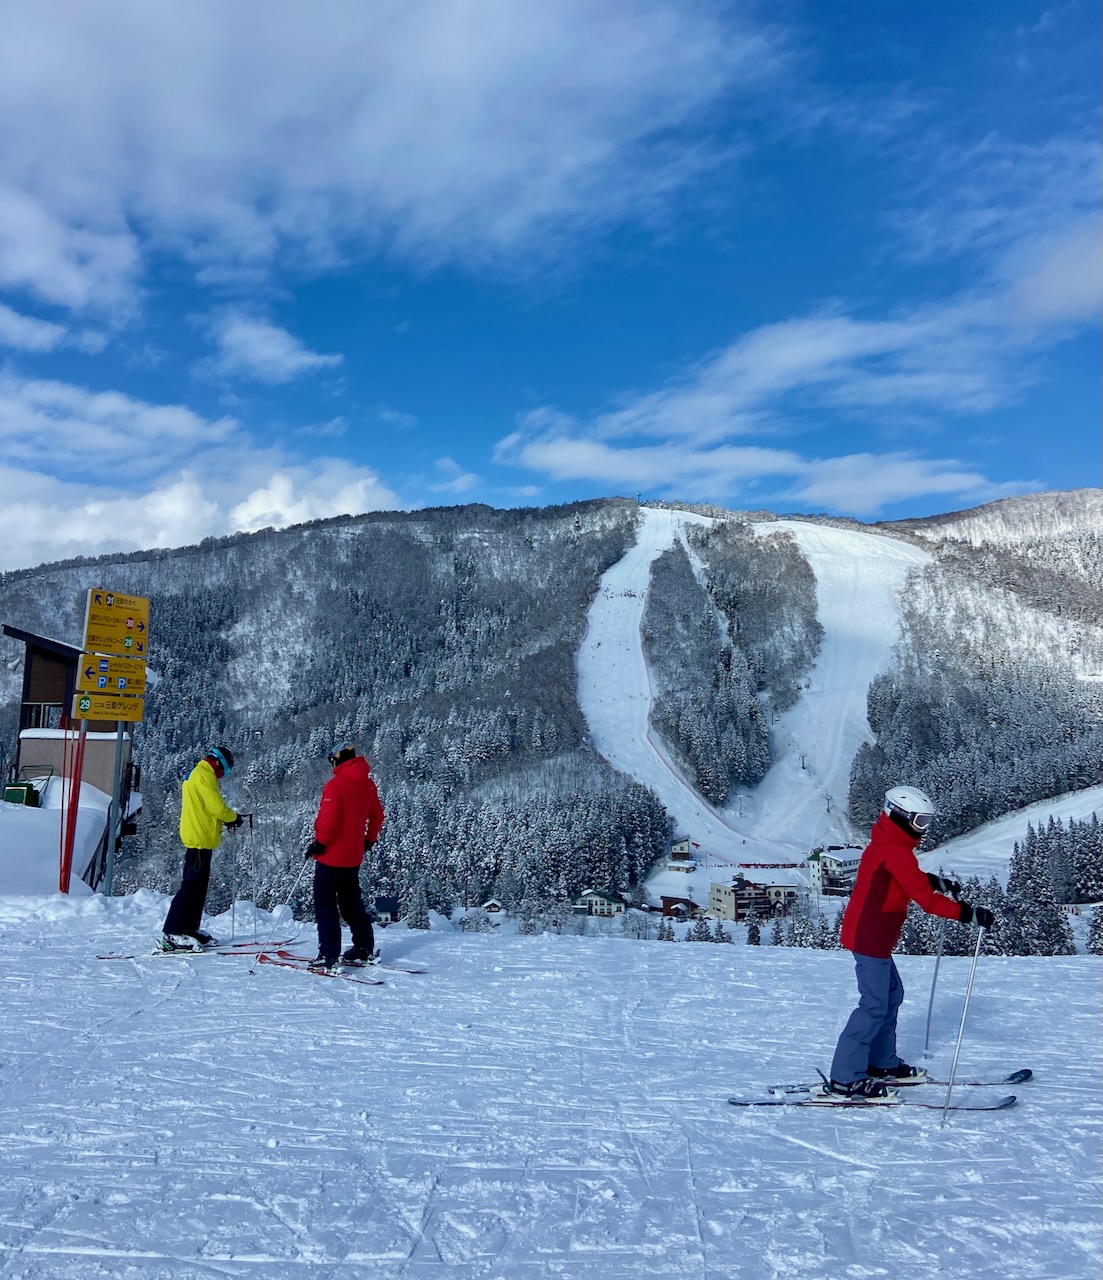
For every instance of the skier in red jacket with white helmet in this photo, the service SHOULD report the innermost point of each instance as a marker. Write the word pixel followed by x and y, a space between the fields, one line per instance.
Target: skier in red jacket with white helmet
pixel 888 879
pixel 349 820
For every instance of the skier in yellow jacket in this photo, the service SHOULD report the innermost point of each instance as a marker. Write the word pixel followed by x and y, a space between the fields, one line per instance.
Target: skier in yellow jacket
pixel 203 814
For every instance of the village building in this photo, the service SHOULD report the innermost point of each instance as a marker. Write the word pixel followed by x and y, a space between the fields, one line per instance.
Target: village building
pixel 680 908
pixel 737 899
pixel 681 856
pixel 386 911
pixel 596 902
pixel 832 869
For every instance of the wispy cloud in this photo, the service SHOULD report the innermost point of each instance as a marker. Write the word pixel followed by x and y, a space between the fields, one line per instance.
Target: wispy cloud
pixel 25 333
pixel 28 333
pixel 1030 219
pixel 1027 217
pixel 439 132
pixel 249 347
pixel 949 357
pixel 795 381
pixel 94 433
pixel 450 477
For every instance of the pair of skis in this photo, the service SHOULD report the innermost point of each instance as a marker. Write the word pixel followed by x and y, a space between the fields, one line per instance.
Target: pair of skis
pixel 362 973
pixel 289 960
pixel 220 949
pixel 277 954
pixel 801 1095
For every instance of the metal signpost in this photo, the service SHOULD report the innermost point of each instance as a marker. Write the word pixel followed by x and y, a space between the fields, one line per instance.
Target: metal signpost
pixel 111 684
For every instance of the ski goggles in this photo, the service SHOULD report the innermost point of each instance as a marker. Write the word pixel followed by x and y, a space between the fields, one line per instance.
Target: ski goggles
pixel 921 821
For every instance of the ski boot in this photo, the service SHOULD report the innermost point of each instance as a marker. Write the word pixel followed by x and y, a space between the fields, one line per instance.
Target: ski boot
pixel 900 1074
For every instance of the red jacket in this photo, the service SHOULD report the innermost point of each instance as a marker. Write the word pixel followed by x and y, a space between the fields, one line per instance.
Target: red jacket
pixel 888 879
pixel 350 810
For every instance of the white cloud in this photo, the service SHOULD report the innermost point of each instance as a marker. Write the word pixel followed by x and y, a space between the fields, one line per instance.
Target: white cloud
pixel 451 478
pixel 95 433
pixel 863 484
pixel 28 333
pixel 297 494
pixel 441 131
pixel 43 518
pixel 332 428
pixel 395 418
pixel 48 248
pixel 252 348
pixel 860 484
pixel 24 333
pixel 91 472
pixel 1062 281
pixel 797 380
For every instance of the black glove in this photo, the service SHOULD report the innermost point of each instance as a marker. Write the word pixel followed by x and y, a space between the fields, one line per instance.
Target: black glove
pixel 984 918
pixel 368 844
pixel 315 849
pixel 942 884
pixel 233 826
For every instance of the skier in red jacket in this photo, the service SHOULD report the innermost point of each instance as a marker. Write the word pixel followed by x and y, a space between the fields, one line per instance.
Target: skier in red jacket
pixel 888 879
pixel 348 823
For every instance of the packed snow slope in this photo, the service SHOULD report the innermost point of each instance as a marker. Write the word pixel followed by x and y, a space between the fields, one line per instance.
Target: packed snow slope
pixel 529 1108
pixel 802 800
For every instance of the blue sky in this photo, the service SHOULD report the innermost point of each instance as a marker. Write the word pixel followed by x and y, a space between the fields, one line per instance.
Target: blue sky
pixel 266 262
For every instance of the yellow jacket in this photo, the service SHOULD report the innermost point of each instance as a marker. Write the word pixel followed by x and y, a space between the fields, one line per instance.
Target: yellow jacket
pixel 203 812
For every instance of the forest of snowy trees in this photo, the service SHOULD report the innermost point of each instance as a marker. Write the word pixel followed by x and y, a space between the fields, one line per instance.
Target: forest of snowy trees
pixel 994 690
pixel 706 705
pixel 443 643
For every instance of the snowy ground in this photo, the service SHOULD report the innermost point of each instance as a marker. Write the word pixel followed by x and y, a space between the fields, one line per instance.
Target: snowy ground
pixel 532 1107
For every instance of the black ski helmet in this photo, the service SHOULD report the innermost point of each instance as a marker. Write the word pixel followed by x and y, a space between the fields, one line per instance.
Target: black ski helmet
pixel 225 758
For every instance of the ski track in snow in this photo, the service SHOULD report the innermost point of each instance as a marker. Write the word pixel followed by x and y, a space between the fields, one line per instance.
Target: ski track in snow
pixel 797 805
pixel 532 1107
pixel 859 578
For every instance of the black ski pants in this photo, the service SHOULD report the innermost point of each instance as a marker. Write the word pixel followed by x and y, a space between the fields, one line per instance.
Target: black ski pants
pixel 186 909
pixel 336 898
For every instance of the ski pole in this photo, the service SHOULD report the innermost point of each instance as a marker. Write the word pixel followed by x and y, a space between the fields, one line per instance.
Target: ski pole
pixel 930 1007
pixel 233 903
pixel 253 865
pixel 961 1029
pixel 276 919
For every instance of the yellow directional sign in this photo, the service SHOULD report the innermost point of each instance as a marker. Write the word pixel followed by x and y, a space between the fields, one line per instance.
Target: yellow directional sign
pixel 120 676
pixel 115 623
pixel 105 706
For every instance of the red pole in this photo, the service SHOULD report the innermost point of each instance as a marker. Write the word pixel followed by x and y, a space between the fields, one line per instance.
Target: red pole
pixel 74 801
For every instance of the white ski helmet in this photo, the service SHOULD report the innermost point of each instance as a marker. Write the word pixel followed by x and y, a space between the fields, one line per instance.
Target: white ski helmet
pixel 912 804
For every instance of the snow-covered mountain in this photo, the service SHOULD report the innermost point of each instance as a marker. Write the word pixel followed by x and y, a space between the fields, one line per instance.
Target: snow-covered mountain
pixel 530 1106
pixel 491 664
